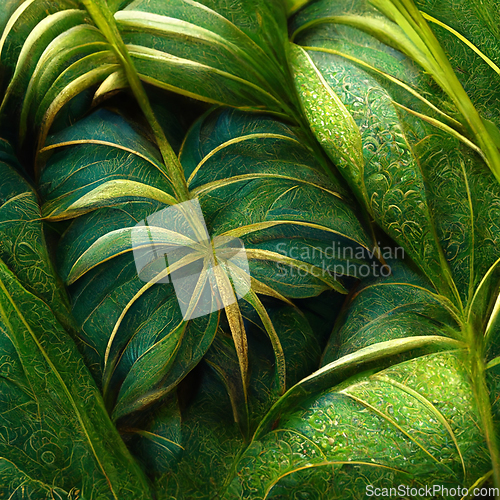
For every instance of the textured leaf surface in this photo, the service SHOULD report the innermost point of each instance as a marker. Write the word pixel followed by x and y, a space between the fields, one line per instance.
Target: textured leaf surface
pixel 58 429
pixel 225 169
pixel 388 178
pixel 210 438
pixel 401 306
pixel 256 181
pixel 449 192
pixel 22 240
pixel 473 21
pixel 411 424
pixel 55 51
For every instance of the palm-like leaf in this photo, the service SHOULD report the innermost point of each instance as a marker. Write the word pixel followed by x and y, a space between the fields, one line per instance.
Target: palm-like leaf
pixel 280 230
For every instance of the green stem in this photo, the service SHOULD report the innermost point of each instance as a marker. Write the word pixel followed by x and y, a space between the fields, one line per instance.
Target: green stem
pixel 105 21
pixel 481 392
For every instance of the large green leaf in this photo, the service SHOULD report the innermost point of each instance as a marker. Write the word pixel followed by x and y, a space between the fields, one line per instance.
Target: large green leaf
pixel 57 434
pixel 412 205
pixel 117 179
pixel 413 424
pixel 389 406
pixel 380 166
pixel 22 238
pixel 255 180
pixel 400 306
pixel 54 51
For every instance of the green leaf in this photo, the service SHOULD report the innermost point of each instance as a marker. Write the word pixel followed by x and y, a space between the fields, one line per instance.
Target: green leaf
pixel 128 327
pixel 210 439
pixel 470 20
pixel 210 52
pixel 164 364
pixel 35 45
pixel 22 237
pixel 329 119
pixel 247 155
pixel 62 52
pixel 411 424
pixel 23 17
pixel 400 306
pixel 53 409
pixel 387 178
pixel 458 227
pixel 156 442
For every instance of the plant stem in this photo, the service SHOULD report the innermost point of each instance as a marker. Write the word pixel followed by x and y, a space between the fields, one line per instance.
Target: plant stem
pixel 105 21
pixel 478 377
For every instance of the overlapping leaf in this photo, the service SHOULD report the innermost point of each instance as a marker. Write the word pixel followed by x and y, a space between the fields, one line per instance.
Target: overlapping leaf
pixel 407 177
pixel 471 40
pixel 400 306
pixel 116 179
pixel 255 180
pixel 210 438
pixel 22 239
pixel 439 205
pixel 53 417
pixel 55 51
pixel 388 409
pixel 393 406
pixel 52 411
pixel 412 424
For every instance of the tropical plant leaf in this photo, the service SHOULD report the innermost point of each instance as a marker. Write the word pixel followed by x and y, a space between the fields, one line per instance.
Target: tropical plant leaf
pixel 346 59
pixel 22 237
pixel 412 424
pixel 210 438
pixel 301 354
pixel 405 29
pixel 458 229
pixel 156 439
pixel 239 157
pixel 389 183
pixel 396 307
pixel 376 411
pixel 125 184
pixel 52 410
pixel 56 50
